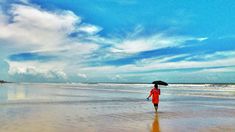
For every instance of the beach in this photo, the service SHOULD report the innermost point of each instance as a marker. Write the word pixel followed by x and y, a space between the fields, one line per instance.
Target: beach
pixel 105 107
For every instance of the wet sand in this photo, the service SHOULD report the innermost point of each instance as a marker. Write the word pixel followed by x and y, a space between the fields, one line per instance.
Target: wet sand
pixel 105 108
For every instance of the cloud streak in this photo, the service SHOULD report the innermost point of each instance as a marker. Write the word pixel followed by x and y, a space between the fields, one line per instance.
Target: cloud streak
pixel 156 41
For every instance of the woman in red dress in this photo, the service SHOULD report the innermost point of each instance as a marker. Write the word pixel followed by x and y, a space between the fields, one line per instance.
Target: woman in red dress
pixel 155 92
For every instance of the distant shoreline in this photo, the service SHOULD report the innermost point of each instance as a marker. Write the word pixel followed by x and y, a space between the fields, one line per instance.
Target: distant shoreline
pixel 2 81
pixel 151 83
pixel 120 83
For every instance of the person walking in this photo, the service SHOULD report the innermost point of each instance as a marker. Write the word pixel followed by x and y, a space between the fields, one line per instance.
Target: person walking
pixel 155 93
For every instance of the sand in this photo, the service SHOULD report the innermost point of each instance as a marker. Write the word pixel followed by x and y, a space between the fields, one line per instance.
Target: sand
pixel 115 108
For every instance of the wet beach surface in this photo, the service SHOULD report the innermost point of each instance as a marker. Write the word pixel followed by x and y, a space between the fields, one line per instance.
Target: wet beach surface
pixel 115 107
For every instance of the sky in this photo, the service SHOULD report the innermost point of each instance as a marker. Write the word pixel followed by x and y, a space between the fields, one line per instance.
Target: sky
pixel 183 41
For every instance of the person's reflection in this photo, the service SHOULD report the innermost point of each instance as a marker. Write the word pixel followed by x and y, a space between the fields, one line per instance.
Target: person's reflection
pixel 155 125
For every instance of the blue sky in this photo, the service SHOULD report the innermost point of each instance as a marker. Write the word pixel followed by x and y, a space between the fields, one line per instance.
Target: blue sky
pixel 117 41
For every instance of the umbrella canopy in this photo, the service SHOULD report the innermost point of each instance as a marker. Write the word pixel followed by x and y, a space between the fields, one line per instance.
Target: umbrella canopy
pixel 160 83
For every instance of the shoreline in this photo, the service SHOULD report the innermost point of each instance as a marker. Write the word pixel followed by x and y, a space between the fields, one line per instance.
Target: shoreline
pixel 1 81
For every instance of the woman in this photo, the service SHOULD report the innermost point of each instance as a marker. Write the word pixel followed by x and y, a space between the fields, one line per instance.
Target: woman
pixel 155 92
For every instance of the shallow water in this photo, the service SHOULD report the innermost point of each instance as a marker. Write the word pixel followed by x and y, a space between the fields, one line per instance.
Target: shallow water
pixel 115 107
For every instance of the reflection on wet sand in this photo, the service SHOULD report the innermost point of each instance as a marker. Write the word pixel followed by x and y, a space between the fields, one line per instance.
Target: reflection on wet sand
pixel 18 93
pixel 155 125
pixel 13 93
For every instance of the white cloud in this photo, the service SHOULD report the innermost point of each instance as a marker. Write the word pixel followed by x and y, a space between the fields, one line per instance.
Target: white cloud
pixel 151 65
pixel 202 39
pixel 216 55
pixel 159 59
pixel 154 42
pixel 117 78
pixel 160 63
pixel 36 18
pixel 35 30
pixel 217 70
pixel 82 75
pixel 89 29
pixel 47 70
pixel 137 30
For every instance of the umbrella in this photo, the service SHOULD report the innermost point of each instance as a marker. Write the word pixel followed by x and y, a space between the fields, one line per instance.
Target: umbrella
pixel 160 83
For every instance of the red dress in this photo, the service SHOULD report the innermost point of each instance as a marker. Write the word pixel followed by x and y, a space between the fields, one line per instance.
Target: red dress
pixel 155 95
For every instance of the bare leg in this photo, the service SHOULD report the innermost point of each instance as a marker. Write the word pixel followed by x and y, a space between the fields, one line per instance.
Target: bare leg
pixel 156 107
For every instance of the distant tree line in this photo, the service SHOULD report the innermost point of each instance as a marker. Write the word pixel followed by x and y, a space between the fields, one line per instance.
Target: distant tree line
pixel 2 81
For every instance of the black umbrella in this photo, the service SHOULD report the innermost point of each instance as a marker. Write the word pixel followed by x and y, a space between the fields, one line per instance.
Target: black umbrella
pixel 160 83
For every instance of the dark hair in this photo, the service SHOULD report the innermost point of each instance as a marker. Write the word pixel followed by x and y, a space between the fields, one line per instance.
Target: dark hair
pixel 156 86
